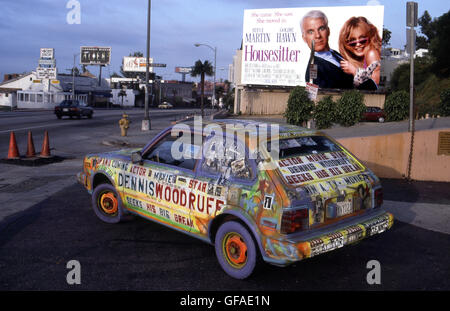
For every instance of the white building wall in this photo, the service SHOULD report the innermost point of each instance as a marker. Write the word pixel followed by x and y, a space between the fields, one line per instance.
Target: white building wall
pixel 6 99
pixel 128 100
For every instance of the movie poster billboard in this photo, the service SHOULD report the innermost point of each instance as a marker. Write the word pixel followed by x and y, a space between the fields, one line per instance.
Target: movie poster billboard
pixel 347 39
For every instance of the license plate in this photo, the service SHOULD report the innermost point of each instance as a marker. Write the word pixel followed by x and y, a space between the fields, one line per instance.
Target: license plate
pixel 65 109
pixel 378 228
pixel 344 208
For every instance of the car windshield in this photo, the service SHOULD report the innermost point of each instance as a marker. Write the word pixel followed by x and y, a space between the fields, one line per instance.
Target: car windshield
pixel 66 103
pixel 297 146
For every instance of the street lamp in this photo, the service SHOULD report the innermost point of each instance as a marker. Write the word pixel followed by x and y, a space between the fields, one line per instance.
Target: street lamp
pixel 146 125
pixel 215 55
pixel 73 75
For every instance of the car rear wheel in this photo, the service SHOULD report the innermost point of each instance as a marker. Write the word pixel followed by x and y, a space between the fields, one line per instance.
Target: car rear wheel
pixel 236 250
pixel 381 119
pixel 58 116
pixel 107 204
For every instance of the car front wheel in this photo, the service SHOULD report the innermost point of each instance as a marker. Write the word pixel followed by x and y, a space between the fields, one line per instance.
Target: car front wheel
pixel 107 204
pixel 381 119
pixel 236 250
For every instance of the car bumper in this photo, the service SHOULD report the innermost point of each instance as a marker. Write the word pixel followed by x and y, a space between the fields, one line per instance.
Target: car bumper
pixel 308 245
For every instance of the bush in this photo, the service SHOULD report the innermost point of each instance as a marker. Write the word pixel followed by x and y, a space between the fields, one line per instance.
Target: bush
pixel 444 105
pixel 325 113
pixel 350 108
pixel 299 107
pixel 397 106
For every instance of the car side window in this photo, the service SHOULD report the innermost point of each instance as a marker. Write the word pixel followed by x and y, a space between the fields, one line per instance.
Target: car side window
pixel 226 158
pixel 184 157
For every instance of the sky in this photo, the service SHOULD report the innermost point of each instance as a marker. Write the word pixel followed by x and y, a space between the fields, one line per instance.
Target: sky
pixel 176 25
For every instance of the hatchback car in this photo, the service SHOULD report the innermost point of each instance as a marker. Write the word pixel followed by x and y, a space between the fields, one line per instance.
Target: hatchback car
pixel 306 197
pixel 165 105
pixel 73 108
pixel 374 114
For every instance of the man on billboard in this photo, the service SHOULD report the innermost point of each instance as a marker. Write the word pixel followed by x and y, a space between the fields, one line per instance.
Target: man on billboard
pixel 314 26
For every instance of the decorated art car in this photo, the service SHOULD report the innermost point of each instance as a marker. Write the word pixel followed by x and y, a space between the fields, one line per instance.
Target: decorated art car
pixel 255 191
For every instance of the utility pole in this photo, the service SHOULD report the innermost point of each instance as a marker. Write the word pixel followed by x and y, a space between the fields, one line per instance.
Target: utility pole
pixel 146 125
pixel 411 21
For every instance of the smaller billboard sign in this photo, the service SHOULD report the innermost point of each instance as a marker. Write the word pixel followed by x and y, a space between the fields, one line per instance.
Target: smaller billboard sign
pixel 183 70
pixel 136 64
pixel 93 55
pixel 47 62
pixel 46 73
pixel 47 53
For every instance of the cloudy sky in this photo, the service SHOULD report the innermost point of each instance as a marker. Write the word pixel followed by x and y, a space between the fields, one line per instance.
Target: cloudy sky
pixel 26 26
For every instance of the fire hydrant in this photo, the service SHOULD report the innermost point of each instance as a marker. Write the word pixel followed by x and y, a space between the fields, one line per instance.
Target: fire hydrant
pixel 124 124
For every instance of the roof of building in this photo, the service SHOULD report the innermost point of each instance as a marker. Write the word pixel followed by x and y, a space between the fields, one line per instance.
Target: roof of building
pixel 15 79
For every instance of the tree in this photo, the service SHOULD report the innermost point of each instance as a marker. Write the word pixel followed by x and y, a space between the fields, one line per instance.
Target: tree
pixel 444 105
pixel 299 107
pixel 440 45
pixel 75 71
pixel 350 108
pixel 397 106
pixel 386 37
pixel 202 69
pixel 115 75
pixel 325 112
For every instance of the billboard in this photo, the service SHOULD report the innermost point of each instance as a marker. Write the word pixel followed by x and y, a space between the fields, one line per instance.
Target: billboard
pixel 46 73
pixel 347 39
pixel 136 64
pixel 93 55
pixel 185 70
pixel 47 53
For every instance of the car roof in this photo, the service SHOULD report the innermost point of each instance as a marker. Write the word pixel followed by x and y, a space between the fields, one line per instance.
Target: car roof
pixel 249 126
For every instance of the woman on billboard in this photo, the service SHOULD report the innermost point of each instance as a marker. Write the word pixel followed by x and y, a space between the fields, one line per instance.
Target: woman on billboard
pixel 360 45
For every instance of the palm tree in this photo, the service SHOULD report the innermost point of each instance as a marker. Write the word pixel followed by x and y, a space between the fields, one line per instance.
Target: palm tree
pixel 202 69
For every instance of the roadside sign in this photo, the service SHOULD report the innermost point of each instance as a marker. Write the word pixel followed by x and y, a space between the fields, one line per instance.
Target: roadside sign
pixel 47 53
pixel 93 55
pixel 47 62
pixel 312 90
pixel 157 65
pixel 46 73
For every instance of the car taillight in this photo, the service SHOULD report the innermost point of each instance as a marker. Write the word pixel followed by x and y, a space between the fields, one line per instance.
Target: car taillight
pixel 74 109
pixel 294 220
pixel 378 197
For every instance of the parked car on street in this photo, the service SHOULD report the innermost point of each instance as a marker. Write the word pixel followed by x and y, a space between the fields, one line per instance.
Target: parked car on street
pixel 374 114
pixel 165 105
pixel 308 197
pixel 73 108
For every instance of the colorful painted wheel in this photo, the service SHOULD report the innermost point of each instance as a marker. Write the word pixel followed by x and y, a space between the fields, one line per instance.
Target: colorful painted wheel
pixel 107 204
pixel 236 250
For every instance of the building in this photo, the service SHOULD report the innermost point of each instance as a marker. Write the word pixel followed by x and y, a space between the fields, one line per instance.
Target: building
pixel 26 91
pixel 130 92
pixel 391 58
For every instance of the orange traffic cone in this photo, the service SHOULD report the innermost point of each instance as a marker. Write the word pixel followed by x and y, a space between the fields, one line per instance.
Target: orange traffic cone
pixel 13 152
pixel 45 152
pixel 31 153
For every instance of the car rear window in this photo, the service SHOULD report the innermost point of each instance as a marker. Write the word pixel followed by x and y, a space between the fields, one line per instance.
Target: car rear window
pixel 298 146
pixel 66 103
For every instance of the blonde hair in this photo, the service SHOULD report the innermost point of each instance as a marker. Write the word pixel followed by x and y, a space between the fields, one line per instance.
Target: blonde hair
pixel 372 34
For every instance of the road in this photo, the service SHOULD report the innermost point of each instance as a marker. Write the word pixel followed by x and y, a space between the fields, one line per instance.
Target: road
pixel 46 221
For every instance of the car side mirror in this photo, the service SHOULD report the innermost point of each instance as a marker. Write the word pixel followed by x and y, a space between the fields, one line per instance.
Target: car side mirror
pixel 136 157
